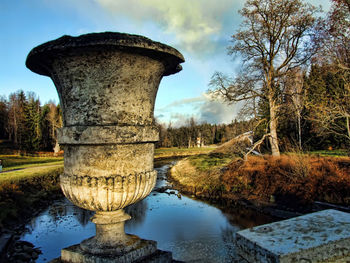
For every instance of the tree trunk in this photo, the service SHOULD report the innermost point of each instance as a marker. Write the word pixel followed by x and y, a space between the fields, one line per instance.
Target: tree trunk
pixel 299 130
pixel 348 126
pixel 15 138
pixel 273 127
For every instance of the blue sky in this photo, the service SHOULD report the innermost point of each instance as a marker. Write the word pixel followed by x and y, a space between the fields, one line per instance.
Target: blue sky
pixel 199 29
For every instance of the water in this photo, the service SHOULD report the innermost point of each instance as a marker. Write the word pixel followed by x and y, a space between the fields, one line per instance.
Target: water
pixel 192 230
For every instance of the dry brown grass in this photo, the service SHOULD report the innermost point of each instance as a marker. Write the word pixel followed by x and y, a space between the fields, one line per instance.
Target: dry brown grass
pixel 294 180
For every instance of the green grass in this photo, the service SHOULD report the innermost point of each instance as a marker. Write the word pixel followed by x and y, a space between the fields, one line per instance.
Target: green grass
pixel 332 153
pixel 23 166
pixel 16 160
pixel 206 162
pixel 17 167
pixel 174 151
pixel 31 172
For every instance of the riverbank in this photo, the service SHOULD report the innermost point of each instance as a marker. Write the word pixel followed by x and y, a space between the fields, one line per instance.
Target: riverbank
pixel 23 196
pixel 284 187
pixel 26 184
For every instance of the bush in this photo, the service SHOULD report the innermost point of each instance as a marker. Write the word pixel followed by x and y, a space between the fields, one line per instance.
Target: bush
pixel 294 180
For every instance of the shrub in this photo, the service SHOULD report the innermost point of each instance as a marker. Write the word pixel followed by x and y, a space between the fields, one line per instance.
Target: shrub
pixel 294 180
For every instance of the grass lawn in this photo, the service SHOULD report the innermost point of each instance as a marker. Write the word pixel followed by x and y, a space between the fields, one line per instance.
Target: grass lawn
pixel 330 153
pixel 17 167
pixel 17 160
pixel 174 151
pixel 205 162
pixel 37 171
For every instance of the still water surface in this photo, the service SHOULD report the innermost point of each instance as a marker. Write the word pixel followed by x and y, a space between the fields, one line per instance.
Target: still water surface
pixel 192 230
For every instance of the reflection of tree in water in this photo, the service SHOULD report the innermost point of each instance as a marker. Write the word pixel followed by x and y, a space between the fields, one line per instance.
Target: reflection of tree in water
pixel 83 216
pixel 58 210
pixel 246 217
pixel 137 212
pixel 64 208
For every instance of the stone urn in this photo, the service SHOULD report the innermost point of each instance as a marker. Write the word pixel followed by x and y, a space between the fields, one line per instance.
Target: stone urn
pixel 107 85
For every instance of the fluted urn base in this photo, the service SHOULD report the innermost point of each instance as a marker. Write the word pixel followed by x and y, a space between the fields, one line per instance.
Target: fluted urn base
pixel 110 238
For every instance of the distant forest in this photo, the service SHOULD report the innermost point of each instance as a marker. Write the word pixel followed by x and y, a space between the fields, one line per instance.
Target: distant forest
pixel 28 125
pixel 31 127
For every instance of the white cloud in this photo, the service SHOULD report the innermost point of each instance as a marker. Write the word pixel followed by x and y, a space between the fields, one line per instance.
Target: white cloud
pixel 217 112
pixel 183 102
pixel 202 109
pixel 197 25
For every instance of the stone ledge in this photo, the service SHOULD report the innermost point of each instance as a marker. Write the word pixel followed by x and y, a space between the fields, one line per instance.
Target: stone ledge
pixel 147 252
pixel 318 237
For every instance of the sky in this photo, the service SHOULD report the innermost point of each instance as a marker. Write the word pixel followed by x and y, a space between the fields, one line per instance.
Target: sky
pixel 199 29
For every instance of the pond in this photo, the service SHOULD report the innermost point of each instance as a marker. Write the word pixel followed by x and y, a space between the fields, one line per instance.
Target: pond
pixel 194 231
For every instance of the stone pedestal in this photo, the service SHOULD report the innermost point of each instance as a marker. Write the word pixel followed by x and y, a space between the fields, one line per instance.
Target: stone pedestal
pixel 318 237
pixel 107 85
pixel 145 248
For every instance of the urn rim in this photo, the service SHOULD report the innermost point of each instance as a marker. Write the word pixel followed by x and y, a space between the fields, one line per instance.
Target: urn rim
pixel 40 58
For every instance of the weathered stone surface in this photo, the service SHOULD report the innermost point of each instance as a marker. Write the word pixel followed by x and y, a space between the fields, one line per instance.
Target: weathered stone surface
pixel 108 160
pixel 107 88
pixel 107 85
pixel 107 193
pixel 318 237
pixel 102 135
pixel 39 58
pixel 75 254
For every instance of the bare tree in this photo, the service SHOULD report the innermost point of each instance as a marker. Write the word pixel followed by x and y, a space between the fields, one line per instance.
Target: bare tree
pixel 293 83
pixel 334 35
pixel 271 40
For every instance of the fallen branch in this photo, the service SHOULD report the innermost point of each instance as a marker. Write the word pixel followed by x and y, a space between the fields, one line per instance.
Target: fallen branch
pixel 256 145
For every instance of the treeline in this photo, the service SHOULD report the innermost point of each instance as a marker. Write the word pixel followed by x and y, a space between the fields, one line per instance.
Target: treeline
pixel 28 125
pixel 314 110
pixel 193 134
pixel 295 79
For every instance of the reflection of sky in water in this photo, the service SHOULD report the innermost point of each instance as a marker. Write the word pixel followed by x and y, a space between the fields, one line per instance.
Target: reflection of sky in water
pixel 191 229
pixel 53 232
